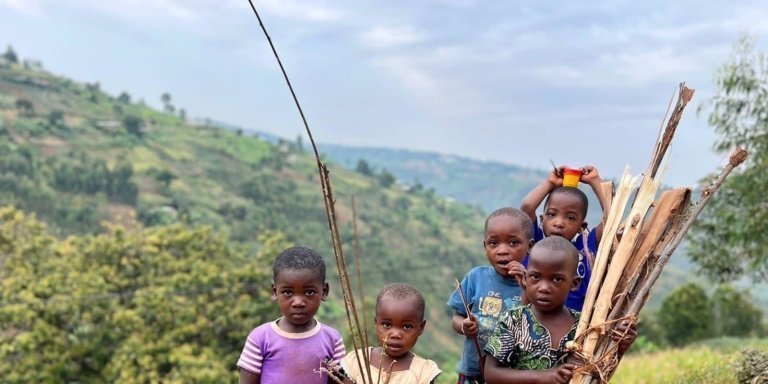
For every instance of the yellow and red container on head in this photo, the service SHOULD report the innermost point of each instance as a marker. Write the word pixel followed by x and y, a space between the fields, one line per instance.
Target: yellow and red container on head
pixel 571 177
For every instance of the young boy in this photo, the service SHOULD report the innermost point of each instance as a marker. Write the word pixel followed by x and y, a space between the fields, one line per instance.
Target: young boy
pixel 291 348
pixel 564 212
pixel 528 344
pixel 399 322
pixel 490 290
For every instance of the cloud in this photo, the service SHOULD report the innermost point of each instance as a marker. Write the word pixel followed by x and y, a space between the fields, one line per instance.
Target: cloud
pixel 383 37
pixel 306 11
pixel 26 7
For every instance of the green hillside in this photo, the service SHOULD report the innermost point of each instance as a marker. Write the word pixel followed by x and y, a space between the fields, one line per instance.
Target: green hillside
pixel 485 184
pixel 77 157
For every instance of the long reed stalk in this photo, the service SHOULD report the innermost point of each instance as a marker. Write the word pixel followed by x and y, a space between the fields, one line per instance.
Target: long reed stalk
pixel 325 184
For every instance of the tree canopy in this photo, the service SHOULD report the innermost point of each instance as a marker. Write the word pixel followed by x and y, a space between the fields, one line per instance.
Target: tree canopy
pixel 164 304
pixel 729 240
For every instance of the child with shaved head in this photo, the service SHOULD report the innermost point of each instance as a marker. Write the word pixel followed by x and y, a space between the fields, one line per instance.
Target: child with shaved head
pixel 399 322
pixel 528 344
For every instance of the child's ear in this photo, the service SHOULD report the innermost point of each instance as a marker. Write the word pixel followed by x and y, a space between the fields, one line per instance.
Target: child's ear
pixel 274 292
pixel 531 243
pixel 483 243
pixel 584 225
pixel 423 325
pixel 326 289
pixel 576 282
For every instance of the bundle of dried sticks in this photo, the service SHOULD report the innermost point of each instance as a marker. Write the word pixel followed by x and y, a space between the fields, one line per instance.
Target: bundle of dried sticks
pixel 636 245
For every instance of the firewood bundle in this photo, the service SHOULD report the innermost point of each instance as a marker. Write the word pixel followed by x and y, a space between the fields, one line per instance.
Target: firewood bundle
pixel 638 240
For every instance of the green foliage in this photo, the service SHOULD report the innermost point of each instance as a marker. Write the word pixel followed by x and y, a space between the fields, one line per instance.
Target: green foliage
pixel 10 55
pixel 386 179
pixel 124 98
pixel 686 315
pixel 364 168
pixel 165 304
pixel 134 125
pixel 56 118
pixel 726 241
pixel 25 107
pixel 734 313
pixel 711 361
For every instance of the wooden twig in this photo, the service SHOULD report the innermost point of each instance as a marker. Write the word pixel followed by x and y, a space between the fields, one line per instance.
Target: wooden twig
pixel 469 313
pixel 325 184
pixel 361 295
pixel 685 95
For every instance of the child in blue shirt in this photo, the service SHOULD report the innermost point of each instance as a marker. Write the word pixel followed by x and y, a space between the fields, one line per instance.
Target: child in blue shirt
pixel 490 290
pixel 565 209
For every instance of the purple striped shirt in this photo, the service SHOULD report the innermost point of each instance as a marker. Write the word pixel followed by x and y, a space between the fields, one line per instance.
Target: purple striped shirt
pixel 282 357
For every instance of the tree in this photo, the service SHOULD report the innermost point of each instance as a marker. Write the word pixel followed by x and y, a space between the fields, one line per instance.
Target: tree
pixel 734 313
pixel 166 99
pixel 10 55
pixel 364 168
pixel 56 118
pixel 124 98
pixel 166 177
pixel 183 114
pixel 729 239
pixel 25 107
pixel 386 179
pixel 93 91
pixel 134 125
pixel 686 315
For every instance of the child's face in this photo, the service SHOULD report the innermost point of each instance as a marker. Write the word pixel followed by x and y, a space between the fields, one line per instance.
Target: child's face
pixel 398 325
pixel 505 241
pixel 298 293
pixel 563 216
pixel 551 275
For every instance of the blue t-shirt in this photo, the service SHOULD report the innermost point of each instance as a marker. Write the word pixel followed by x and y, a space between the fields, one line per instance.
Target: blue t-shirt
pixel 489 295
pixel 583 270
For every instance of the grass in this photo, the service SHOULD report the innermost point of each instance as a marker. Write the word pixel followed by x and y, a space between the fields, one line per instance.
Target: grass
pixel 711 361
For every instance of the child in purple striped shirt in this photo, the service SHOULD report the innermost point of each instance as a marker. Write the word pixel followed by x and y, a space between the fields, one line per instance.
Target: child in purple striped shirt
pixel 292 348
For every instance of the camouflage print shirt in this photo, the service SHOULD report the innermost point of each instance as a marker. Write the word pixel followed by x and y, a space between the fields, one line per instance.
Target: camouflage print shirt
pixel 521 342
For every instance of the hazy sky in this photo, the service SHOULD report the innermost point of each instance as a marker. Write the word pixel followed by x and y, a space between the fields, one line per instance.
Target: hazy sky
pixel 515 81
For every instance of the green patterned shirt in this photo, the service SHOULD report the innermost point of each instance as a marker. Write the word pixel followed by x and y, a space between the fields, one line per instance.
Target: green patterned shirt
pixel 521 342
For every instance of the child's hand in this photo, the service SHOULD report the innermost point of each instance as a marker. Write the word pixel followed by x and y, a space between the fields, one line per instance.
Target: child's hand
pixel 589 174
pixel 625 333
pixel 560 375
pixel 469 326
pixel 555 177
pixel 516 270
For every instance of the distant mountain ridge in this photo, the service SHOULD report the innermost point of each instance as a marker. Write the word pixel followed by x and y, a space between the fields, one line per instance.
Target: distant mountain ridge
pixel 461 178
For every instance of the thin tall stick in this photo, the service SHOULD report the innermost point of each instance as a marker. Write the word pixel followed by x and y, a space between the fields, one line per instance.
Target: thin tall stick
pixel 364 332
pixel 325 183
pixel 477 343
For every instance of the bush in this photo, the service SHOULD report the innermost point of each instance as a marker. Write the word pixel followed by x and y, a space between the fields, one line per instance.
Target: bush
pixel 752 367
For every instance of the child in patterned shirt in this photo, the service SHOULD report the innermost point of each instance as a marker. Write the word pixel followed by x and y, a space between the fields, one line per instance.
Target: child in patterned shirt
pixel 528 344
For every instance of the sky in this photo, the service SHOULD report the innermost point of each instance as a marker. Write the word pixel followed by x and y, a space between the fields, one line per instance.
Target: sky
pixel 520 82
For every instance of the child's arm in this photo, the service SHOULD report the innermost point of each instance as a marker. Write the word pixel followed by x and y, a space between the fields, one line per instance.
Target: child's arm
pixel 247 377
pixel 466 326
pixel 537 195
pixel 496 374
pixel 591 177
